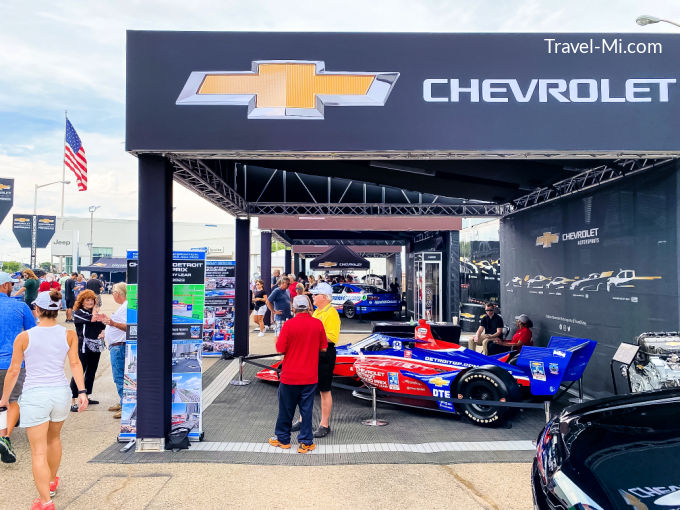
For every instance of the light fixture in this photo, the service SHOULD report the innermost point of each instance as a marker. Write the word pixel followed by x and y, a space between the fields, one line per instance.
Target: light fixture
pixel 646 19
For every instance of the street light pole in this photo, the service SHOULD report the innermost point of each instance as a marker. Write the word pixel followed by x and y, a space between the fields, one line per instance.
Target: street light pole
pixel 92 209
pixel 34 220
pixel 649 20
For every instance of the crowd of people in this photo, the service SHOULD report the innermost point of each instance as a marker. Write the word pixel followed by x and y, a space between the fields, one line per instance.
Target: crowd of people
pixel 34 388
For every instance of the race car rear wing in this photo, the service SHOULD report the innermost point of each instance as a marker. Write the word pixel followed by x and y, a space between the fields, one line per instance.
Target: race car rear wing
pixel 564 359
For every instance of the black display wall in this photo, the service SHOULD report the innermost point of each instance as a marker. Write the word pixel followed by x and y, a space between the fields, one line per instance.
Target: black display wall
pixel 600 265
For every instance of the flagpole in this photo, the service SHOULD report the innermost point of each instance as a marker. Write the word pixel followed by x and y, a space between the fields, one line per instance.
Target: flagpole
pixel 63 178
pixel 63 170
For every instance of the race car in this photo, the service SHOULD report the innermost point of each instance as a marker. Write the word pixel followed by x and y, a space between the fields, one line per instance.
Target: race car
pixel 404 368
pixel 373 345
pixel 352 299
pixel 434 373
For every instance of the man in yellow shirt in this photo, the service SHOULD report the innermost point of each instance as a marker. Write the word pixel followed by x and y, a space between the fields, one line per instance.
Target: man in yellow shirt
pixel 323 296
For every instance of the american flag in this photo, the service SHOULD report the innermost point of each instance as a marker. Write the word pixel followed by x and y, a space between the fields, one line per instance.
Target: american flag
pixel 74 156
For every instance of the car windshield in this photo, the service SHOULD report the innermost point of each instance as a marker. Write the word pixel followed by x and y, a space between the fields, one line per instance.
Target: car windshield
pixel 371 289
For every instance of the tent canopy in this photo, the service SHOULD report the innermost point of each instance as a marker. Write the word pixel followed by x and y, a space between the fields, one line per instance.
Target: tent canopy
pixel 339 257
pixel 107 265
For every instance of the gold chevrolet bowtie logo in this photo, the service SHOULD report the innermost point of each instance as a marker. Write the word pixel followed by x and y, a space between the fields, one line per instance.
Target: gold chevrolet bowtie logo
pixel 547 240
pixel 279 89
pixel 438 381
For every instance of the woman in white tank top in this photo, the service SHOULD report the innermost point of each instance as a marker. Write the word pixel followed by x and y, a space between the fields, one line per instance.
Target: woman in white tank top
pixel 46 398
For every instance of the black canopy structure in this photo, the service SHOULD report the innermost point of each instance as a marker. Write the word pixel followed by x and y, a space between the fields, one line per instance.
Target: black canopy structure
pixel 339 257
pixel 354 125
pixel 107 265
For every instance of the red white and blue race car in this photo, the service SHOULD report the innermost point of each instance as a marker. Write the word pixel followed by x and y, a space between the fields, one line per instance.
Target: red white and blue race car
pixel 356 299
pixel 407 368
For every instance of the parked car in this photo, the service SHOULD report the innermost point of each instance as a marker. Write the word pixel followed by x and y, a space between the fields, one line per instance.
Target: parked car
pixel 614 453
pixel 352 299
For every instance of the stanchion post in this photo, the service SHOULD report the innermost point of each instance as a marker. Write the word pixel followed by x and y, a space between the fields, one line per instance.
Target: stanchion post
pixel 546 407
pixel 241 381
pixel 375 422
pixel 579 399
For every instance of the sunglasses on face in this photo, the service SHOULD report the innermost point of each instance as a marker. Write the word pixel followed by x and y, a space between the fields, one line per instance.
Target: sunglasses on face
pixel 489 310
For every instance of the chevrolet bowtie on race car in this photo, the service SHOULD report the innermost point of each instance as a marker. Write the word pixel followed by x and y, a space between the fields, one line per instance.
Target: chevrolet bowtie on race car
pixel 613 453
pixel 404 369
pixel 352 299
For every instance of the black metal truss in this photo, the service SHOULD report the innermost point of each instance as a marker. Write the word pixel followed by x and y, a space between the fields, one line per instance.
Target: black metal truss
pixel 349 242
pixel 583 181
pixel 198 177
pixel 378 209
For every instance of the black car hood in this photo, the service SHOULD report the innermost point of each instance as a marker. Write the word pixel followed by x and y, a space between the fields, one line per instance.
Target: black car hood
pixel 626 449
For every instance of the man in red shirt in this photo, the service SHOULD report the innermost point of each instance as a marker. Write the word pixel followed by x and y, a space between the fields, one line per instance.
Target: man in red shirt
pixel 300 341
pixel 521 337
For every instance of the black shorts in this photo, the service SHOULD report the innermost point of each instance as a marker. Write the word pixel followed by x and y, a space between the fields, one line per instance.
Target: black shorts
pixel 326 367
pixel 70 302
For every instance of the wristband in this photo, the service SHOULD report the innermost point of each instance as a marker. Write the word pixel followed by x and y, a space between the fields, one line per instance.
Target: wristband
pixel 82 392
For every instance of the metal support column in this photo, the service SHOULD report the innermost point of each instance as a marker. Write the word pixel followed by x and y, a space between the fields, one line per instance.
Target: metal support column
pixel 266 258
pixel 296 264
pixel 242 299
pixel 286 261
pixel 451 272
pixel 154 351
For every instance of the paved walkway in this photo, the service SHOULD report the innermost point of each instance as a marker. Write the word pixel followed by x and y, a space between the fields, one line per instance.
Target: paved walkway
pixel 156 485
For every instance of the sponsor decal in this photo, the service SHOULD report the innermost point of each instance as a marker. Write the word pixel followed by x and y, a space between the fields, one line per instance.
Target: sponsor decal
pixel 287 89
pixel 554 368
pixel 538 370
pixel 421 333
pixel 328 264
pixel 396 345
pixel 4 187
pixel 407 353
pixel 441 393
pixel 393 380
pixel 439 381
pixel 561 354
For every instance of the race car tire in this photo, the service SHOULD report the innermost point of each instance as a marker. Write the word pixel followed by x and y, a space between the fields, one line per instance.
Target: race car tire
pixel 486 383
pixel 349 310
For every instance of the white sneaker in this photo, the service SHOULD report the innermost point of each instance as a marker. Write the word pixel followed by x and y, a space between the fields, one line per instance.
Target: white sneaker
pixel 261 333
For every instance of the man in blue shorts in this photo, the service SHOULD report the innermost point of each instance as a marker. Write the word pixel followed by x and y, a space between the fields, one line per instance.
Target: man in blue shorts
pixel 15 317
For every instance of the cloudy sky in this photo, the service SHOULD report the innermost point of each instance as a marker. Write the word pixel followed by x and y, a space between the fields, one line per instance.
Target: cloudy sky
pixel 70 55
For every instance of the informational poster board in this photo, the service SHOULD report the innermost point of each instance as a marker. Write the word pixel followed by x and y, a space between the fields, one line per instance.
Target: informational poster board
pixel 218 322
pixel 188 296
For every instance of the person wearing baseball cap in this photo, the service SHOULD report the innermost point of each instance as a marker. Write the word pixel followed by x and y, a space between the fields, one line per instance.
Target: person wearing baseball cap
pixel 300 341
pixel 521 337
pixel 322 295
pixel 15 317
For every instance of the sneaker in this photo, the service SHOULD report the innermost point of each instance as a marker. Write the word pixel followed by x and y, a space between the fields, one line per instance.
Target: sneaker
pixel 39 505
pixel 261 333
pixel 115 408
pixel 7 454
pixel 296 427
pixel 54 486
pixel 92 402
pixel 322 431
pixel 305 448
pixel 275 442
pixel 74 408
pixel 118 415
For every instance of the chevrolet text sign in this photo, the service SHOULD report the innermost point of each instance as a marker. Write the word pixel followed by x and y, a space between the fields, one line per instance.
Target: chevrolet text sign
pixel 422 95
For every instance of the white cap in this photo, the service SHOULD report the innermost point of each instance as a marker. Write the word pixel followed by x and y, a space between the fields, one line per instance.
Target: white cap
pixel 6 278
pixel 524 318
pixel 300 303
pixel 322 288
pixel 45 302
